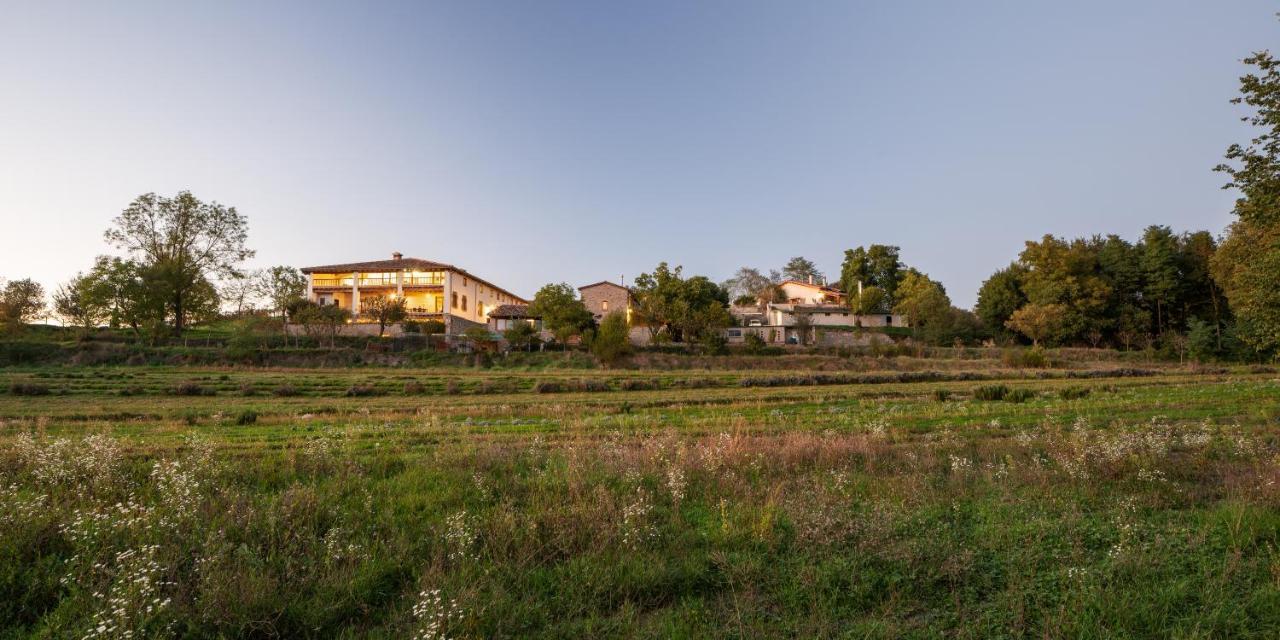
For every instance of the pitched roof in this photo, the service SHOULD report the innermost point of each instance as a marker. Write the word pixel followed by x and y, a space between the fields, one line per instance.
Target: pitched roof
pixel 402 263
pixel 821 287
pixel 513 311
pixel 380 265
pixel 608 282
pixel 826 308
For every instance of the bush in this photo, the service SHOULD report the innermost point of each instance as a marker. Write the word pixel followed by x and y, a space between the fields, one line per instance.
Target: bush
pixel 412 387
pixel 549 386
pixel 754 344
pixel 1033 358
pixel 285 391
pixel 991 393
pixel 1019 395
pixel 28 389
pixel 638 385
pixel 591 384
pixel 1073 393
pixel 715 344
pixel 190 388
pixel 361 391
pixel 941 395
pixel 612 341
pixel 246 417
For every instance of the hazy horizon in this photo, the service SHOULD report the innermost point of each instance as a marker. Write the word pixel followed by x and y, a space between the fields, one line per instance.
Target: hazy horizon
pixel 577 142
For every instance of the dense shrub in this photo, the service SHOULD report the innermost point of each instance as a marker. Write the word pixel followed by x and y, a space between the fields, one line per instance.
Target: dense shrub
pixel 190 388
pixel 593 384
pixel 1019 395
pixel 549 386
pixel 1033 358
pixel 1073 393
pixel 991 393
pixel 28 389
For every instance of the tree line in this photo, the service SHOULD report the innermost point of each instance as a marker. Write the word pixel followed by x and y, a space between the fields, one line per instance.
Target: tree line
pixel 1188 292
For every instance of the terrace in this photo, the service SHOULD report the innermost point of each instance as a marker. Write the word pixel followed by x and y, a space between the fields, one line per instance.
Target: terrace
pixel 375 280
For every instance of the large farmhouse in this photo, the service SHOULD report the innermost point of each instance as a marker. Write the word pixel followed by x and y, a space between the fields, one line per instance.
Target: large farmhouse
pixel 431 290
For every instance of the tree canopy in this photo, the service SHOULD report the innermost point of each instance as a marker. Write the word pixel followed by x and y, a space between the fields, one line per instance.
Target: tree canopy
pixel 182 243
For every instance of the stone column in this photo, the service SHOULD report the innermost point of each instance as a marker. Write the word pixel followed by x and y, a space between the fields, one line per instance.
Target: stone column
pixel 355 294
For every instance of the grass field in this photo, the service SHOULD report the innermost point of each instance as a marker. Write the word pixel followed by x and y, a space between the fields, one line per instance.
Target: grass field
pixel 1102 501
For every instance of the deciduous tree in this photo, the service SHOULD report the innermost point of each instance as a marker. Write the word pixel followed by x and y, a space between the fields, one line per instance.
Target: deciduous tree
pixel 183 243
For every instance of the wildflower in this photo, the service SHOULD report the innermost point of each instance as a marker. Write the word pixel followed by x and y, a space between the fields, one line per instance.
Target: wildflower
pixel 434 615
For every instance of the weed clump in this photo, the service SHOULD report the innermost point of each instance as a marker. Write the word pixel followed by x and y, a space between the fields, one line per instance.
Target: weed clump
pixel 638 385
pixel 991 393
pixel 1033 358
pixel 28 389
pixel 549 386
pixel 246 417
pixel 941 395
pixel 1074 393
pixel 190 388
pixel 1019 395
pixel 285 391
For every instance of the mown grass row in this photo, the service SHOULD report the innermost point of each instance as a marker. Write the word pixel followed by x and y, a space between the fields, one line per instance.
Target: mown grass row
pixel 288 383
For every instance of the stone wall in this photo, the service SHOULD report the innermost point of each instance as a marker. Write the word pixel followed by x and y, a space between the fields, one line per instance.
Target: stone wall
pixel 605 298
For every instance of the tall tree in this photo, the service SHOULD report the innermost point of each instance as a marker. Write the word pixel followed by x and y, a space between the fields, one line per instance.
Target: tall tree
pixel 1159 259
pixel 562 313
pixel 1039 321
pixel 924 301
pixel 183 242
pixel 282 287
pixel 802 269
pixel 855 269
pixel 685 309
pixel 81 302
pixel 750 282
pixel 384 310
pixel 1000 296
pixel 21 301
pixel 1247 264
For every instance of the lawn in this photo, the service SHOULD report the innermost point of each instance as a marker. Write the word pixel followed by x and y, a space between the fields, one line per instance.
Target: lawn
pixel 433 503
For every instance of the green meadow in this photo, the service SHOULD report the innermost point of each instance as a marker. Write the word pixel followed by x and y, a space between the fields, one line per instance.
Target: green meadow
pixel 1094 500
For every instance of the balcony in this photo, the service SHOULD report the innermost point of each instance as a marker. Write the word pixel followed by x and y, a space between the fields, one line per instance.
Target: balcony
pixel 372 281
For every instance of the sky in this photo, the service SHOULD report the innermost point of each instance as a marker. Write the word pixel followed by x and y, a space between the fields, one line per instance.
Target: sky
pixel 536 142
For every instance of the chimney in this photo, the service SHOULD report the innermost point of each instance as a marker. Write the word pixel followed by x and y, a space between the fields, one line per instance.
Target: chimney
pixel 397 255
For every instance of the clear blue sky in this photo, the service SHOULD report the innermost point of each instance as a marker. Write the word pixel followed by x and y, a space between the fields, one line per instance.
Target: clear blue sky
pixel 541 141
